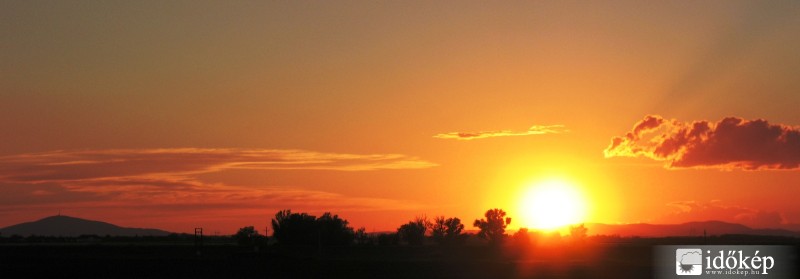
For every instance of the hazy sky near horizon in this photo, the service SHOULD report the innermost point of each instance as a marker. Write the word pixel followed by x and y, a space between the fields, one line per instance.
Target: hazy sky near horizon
pixel 180 114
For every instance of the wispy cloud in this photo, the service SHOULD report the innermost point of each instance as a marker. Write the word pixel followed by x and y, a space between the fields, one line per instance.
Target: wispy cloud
pixel 534 130
pixel 727 144
pixel 167 181
pixel 62 166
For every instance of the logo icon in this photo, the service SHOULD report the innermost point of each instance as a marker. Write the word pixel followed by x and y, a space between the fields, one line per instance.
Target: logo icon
pixel 688 261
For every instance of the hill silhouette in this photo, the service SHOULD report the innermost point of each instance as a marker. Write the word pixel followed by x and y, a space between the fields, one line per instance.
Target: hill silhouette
pixel 70 226
pixel 684 229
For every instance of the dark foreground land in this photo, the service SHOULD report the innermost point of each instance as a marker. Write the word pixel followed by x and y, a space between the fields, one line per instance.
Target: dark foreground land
pixel 596 258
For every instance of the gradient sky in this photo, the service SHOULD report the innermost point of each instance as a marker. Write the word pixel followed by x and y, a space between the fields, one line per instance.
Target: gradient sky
pixel 217 114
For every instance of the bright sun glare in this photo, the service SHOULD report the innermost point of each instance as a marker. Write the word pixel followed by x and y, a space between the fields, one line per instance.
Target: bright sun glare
pixel 553 204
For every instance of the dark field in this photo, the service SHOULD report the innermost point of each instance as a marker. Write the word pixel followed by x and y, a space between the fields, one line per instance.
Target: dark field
pixel 597 258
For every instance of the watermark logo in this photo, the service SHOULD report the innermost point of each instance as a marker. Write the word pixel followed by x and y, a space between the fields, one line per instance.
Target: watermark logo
pixel 726 261
pixel 688 261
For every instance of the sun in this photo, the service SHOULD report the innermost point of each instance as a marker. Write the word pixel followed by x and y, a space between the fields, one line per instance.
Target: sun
pixel 552 204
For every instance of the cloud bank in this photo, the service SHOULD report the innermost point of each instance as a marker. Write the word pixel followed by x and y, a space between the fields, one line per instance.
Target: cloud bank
pixel 534 130
pixel 731 143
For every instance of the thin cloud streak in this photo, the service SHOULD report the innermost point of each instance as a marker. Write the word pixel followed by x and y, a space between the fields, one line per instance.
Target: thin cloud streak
pixel 731 143
pixel 114 163
pixel 198 197
pixel 534 130
pixel 167 179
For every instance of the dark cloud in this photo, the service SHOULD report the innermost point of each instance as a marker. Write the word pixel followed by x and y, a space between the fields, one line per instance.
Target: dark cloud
pixel 534 130
pixel 730 143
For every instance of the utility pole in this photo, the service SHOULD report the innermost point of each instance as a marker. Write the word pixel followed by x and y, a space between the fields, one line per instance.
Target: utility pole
pixel 198 240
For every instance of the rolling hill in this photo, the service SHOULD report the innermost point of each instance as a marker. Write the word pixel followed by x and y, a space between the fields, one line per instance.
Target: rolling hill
pixel 70 226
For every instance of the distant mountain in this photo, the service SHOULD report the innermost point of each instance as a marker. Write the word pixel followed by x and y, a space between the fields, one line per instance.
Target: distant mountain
pixel 685 229
pixel 71 226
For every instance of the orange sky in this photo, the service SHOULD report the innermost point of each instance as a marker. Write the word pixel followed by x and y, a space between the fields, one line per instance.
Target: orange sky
pixel 207 114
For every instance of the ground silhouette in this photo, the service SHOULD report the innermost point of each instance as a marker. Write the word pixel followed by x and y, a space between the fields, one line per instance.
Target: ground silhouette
pixel 296 251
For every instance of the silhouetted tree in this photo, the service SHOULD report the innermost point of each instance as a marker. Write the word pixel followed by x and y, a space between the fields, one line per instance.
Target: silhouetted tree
pixel 248 236
pixel 447 231
pixel 493 228
pixel 294 228
pixel 522 237
pixel 414 231
pixel 303 229
pixel 578 233
pixel 361 236
pixel 334 230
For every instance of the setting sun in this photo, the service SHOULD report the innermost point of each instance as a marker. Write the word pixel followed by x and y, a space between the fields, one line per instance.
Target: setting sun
pixel 552 204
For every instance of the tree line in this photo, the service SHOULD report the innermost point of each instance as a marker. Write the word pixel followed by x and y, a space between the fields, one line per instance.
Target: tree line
pixel 301 229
